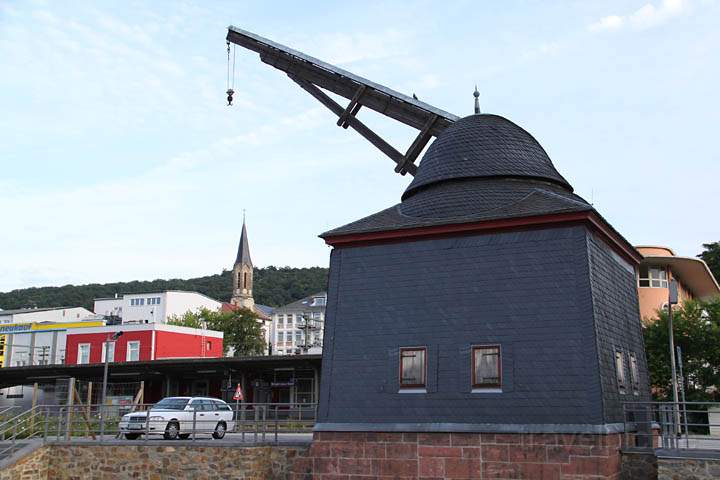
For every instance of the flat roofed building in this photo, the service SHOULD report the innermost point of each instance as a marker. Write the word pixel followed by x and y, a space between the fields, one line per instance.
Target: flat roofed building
pixel 142 342
pixel 37 343
pixel 49 314
pixel 660 265
pixel 155 307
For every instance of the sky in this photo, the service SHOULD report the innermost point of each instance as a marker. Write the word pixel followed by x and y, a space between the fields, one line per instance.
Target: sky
pixel 120 160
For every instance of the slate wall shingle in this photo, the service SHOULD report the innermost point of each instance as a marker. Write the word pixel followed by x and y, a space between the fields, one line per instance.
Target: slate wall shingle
pixel 528 291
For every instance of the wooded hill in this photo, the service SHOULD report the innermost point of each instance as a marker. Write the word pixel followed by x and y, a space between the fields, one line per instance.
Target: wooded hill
pixel 272 286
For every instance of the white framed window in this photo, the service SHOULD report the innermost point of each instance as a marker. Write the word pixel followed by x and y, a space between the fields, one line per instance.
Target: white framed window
pixel 83 354
pixel 133 351
pixel 319 301
pixel 290 319
pixel 281 319
pixel 110 351
pixel 652 277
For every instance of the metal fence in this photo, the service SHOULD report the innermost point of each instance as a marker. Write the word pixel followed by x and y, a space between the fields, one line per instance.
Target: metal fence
pixel 668 425
pixel 244 422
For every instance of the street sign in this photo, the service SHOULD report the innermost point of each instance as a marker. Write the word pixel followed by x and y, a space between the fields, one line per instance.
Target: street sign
pixel 238 393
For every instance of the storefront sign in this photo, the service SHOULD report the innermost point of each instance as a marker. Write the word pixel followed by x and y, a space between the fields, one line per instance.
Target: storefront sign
pixel 288 383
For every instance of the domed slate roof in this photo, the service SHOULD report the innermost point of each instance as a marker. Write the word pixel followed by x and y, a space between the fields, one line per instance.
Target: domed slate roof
pixel 484 146
pixel 481 168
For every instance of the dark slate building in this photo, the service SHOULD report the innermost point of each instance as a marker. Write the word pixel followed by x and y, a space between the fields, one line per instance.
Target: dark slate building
pixel 490 299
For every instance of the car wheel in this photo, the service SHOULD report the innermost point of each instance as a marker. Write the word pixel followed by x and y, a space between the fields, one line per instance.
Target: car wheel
pixel 132 436
pixel 219 431
pixel 184 436
pixel 172 431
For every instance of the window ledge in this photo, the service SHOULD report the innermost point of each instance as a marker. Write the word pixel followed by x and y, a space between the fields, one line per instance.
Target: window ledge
pixel 486 390
pixel 412 390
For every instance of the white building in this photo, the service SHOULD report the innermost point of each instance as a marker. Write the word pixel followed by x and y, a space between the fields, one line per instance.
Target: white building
pixel 298 327
pixel 154 307
pixel 52 314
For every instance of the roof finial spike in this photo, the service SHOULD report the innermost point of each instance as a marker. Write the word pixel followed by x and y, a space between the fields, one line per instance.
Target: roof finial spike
pixel 243 216
pixel 476 94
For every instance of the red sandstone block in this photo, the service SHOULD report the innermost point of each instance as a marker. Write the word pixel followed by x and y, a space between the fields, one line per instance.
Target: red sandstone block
pixel 384 437
pixel 496 453
pixel 325 465
pixel 399 467
pixel 541 471
pixel 602 466
pixel 401 450
pixel 374 450
pixel 357 466
pixel 409 437
pixel 496 470
pixel 540 439
pixel 510 438
pixel 432 467
pixel 439 451
pixel 527 453
pixel 465 439
pixel 434 439
pixel 347 449
pixel 471 452
pixel 320 449
pixel 583 439
pixel 602 451
pixel 463 468
pixel 333 476
pixel 562 453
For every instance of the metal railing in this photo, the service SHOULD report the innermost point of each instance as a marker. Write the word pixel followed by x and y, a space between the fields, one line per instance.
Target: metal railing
pixel 668 425
pixel 244 422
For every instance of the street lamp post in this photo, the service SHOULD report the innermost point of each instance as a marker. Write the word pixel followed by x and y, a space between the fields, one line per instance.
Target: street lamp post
pixel 672 300
pixel 111 337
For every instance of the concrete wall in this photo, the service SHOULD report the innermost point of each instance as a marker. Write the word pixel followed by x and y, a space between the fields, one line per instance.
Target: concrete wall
pixel 120 462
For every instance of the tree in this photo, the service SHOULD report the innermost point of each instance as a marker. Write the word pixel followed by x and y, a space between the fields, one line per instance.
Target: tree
pixel 696 327
pixel 242 332
pixel 711 256
pixel 272 286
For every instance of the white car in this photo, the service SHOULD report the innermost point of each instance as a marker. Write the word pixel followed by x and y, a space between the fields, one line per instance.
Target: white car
pixel 172 417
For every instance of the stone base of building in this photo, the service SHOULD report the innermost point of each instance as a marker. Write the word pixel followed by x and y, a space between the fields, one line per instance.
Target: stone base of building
pixel 405 456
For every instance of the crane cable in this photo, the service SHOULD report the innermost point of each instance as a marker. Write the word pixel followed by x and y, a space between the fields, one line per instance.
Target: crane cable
pixel 230 84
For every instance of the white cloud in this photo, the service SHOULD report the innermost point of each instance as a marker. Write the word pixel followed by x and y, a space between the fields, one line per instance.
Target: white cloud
pixel 611 22
pixel 647 16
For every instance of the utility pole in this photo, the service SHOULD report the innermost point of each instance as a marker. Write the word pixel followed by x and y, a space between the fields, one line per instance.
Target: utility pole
pixel 110 337
pixel 672 300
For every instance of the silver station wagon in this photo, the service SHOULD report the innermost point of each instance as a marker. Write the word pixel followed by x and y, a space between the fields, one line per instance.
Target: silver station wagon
pixel 174 417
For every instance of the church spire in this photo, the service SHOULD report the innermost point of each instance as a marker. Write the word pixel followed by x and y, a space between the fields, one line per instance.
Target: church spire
pixel 243 253
pixel 243 273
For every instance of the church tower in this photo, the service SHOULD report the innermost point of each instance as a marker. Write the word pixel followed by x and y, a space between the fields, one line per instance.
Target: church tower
pixel 243 274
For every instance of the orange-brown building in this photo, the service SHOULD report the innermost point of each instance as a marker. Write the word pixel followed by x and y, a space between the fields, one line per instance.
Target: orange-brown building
pixel 658 267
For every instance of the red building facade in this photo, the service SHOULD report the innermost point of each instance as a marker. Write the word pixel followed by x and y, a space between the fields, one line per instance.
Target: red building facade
pixel 142 342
